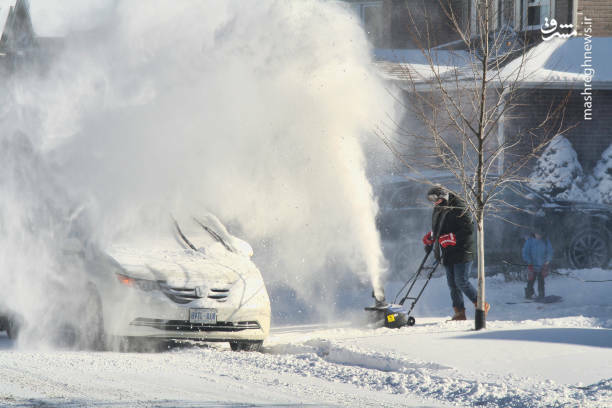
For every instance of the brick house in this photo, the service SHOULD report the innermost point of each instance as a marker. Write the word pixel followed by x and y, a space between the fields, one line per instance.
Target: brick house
pixel 392 25
pixel 588 110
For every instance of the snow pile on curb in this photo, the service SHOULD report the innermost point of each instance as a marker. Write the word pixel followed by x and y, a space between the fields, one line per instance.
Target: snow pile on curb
pixel 531 355
pixel 395 374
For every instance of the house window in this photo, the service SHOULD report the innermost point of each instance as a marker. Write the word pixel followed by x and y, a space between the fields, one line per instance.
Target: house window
pixel 371 16
pixel 534 12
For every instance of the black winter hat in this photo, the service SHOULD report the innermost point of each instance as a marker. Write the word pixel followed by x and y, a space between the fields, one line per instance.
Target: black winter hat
pixel 437 193
pixel 539 227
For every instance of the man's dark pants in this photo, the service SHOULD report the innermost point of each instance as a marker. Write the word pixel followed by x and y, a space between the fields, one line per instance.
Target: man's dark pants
pixel 457 277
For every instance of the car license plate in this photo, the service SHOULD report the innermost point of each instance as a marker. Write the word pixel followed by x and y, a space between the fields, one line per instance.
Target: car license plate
pixel 204 316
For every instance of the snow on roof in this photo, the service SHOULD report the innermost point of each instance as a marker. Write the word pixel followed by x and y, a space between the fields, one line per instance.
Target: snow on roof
pixel 412 64
pixel 554 63
pixel 559 62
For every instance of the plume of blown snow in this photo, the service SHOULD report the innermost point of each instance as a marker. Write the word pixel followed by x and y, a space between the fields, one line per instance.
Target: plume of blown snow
pixel 255 111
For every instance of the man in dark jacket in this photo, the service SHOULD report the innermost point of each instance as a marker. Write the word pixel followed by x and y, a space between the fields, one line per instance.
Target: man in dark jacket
pixel 455 247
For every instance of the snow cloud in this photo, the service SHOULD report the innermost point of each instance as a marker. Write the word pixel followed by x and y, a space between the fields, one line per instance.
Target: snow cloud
pixel 257 112
pixel 54 18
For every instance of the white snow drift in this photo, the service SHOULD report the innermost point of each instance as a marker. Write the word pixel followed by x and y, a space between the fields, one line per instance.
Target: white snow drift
pixel 530 355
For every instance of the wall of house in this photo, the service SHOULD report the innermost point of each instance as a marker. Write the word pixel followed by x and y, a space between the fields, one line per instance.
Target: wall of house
pixel 600 11
pixel 424 19
pixel 564 11
pixel 420 122
pixel 589 138
pixel 403 21
pixel 507 13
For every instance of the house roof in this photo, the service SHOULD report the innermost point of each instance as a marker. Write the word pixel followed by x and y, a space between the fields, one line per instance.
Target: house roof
pixel 559 63
pixel 16 31
pixel 5 8
pixel 551 64
pixel 413 65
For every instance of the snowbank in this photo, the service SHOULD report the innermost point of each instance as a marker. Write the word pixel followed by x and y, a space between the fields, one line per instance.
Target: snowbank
pixel 530 355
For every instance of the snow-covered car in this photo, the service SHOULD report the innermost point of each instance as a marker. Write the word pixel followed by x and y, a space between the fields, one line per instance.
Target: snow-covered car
pixel 191 280
pixel 580 232
pixel 196 283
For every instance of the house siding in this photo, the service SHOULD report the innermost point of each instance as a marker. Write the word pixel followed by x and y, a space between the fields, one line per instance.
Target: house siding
pixel 588 137
pixel 401 14
pixel 507 13
pixel 600 12
pixel 564 12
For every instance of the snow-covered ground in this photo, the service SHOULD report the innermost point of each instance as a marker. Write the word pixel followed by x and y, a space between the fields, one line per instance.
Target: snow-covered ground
pixel 530 355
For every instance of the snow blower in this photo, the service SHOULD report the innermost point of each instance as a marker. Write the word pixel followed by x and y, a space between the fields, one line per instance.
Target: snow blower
pixel 395 315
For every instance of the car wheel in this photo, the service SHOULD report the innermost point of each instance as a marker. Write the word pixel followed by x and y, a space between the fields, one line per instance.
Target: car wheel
pixel 589 249
pixel 246 346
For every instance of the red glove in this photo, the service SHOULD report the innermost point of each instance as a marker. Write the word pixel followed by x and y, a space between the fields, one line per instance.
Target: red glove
pixel 447 240
pixel 428 239
pixel 531 273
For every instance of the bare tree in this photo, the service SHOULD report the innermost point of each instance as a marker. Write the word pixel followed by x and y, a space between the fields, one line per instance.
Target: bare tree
pixel 459 101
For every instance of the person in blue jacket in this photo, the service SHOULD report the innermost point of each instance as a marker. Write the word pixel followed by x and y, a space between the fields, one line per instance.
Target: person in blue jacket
pixel 537 253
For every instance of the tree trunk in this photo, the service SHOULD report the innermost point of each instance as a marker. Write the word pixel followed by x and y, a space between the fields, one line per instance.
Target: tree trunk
pixel 480 320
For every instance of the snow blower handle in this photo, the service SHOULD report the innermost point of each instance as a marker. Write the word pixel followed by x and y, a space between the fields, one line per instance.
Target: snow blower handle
pixel 436 237
pixel 418 273
pixel 428 250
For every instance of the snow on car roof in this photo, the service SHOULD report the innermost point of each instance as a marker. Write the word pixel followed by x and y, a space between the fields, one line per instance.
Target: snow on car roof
pixel 162 249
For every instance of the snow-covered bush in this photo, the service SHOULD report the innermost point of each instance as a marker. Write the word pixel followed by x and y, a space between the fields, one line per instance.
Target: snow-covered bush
pixel 558 172
pixel 599 185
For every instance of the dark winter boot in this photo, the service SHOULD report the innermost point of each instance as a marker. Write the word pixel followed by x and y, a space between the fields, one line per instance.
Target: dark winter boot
pixel 541 293
pixel 529 291
pixel 459 314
